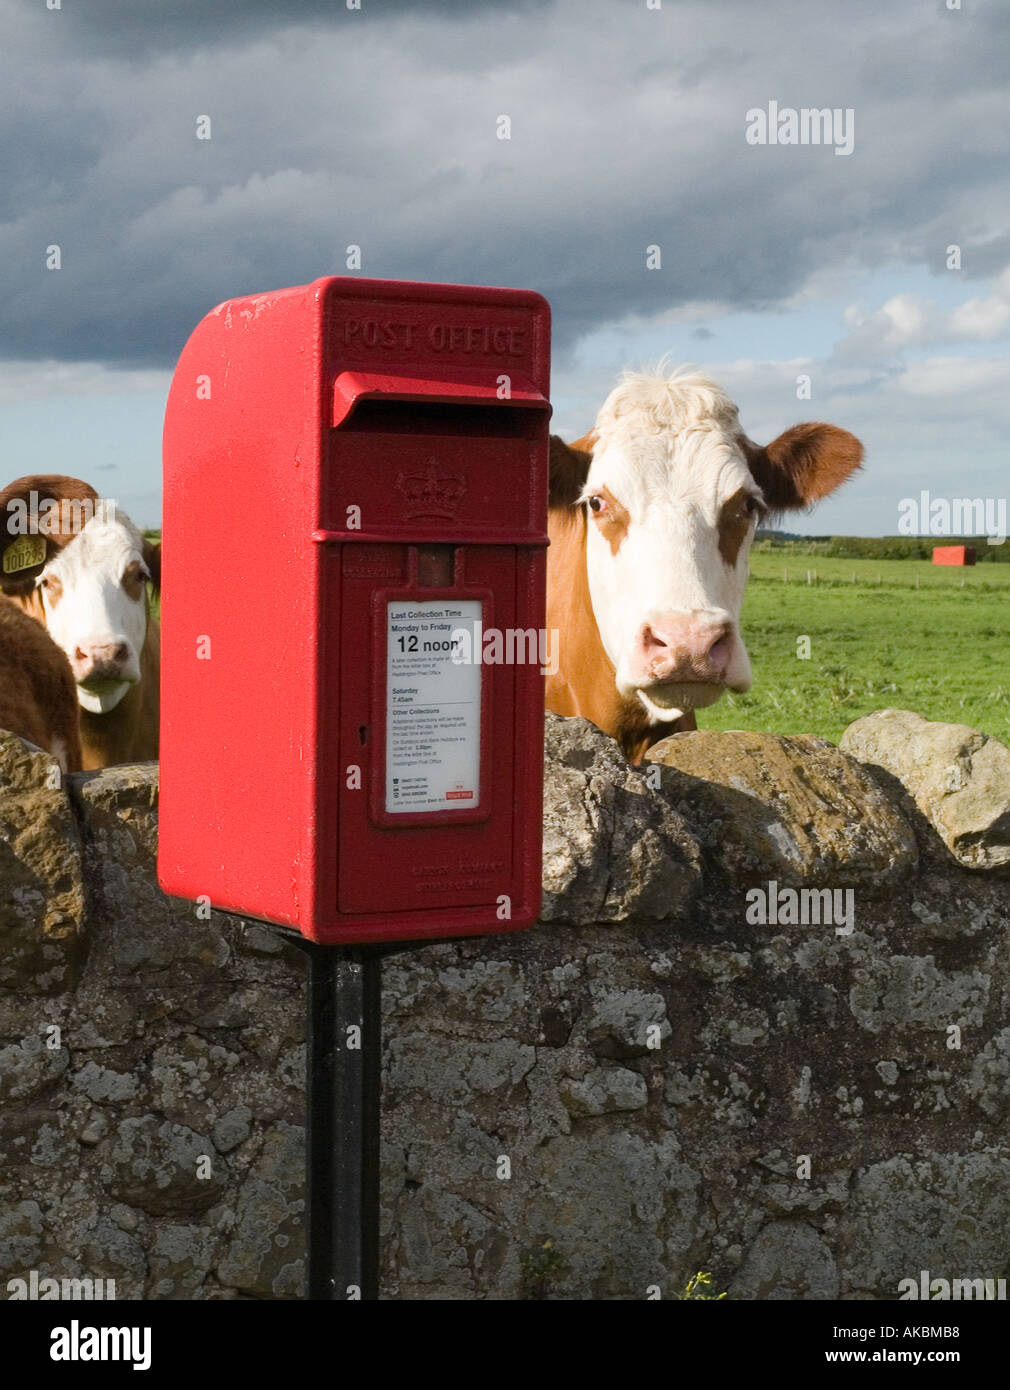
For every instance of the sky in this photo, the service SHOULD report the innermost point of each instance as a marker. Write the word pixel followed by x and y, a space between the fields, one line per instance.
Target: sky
pixel 632 127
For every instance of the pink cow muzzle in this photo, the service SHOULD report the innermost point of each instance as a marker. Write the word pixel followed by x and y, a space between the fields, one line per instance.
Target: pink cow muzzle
pixel 690 648
pixel 101 663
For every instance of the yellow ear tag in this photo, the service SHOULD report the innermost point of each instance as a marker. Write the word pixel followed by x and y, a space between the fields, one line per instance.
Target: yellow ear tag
pixel 24 554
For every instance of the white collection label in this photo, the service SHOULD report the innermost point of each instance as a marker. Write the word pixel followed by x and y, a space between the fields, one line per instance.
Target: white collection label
pixel 432 707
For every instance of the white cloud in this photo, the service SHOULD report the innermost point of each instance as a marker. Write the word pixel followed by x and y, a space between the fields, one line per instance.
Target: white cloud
pixel 960 379
pixel 980 320
pixel 910 320
pixel 27 381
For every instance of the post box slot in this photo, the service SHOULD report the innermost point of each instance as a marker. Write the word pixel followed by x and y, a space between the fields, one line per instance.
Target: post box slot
pixel 391 416
pixel 352 390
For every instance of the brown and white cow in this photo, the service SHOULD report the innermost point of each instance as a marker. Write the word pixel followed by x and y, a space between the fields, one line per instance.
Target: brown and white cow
pixel 81 569
pixel 652 515
pixel 38 698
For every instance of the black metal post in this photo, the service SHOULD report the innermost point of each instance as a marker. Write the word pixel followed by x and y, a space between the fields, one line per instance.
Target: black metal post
pixel 343 1084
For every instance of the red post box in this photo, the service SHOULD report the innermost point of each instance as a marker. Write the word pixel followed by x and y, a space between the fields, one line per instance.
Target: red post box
pixel 355 500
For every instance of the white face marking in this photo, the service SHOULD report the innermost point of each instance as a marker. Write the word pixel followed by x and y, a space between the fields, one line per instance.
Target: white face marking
pixel 666 600
pixel 95 604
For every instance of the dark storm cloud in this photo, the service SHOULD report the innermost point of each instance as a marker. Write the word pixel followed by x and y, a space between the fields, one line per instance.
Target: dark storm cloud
pixel 627 131
pixel 147 27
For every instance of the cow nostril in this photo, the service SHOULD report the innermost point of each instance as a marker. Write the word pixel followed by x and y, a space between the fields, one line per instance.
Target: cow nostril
pixel 651 639
pixel 719 650
pixel 122 652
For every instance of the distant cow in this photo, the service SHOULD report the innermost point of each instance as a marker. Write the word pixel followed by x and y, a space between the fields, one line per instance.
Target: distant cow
pixel 652 515
pixel 38 700
pixel 81 568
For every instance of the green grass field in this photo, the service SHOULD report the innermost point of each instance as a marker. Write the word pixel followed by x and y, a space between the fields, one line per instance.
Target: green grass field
pixel 941 649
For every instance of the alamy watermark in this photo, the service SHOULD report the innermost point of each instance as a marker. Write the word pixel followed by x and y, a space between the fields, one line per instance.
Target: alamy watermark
pixel 33 515
pixel 43 1288
pixel 77 1343
pixel 939 1290
pixel 927 515
pixel 809 125
pixel 30 519
pixel 511 646
pixel 802 907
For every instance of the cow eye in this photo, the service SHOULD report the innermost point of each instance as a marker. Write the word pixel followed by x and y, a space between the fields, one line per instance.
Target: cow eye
pixel 597 504
pixel 753 507
pixel 133 578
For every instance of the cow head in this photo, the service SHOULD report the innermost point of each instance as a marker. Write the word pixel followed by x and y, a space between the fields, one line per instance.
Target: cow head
pixel 87 581
pixel 673 492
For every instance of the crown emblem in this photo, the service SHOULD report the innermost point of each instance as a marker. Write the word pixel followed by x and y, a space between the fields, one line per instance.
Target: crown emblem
pixel 431 493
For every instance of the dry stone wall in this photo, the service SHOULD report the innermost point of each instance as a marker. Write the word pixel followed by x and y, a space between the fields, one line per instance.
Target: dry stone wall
pixel 762 1030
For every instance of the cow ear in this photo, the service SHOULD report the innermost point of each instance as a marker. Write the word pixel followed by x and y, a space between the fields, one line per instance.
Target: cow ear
pixel 24 553
pixel 152 559
pixel 804 464
pixel 22 536
pixel 569 468
pixel 20 583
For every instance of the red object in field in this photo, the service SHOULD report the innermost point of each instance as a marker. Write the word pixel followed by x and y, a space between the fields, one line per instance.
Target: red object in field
pixel 355 496
pixel 954 555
